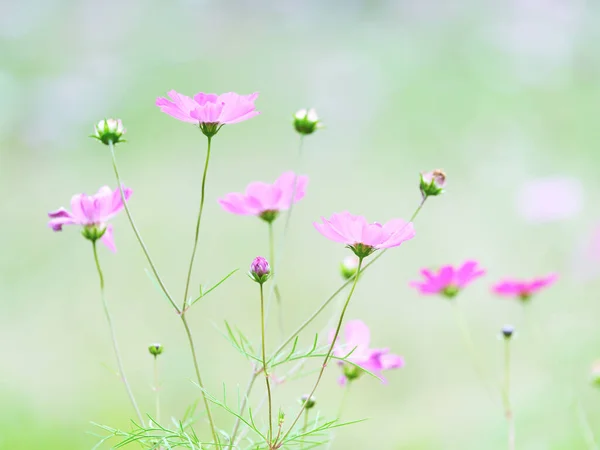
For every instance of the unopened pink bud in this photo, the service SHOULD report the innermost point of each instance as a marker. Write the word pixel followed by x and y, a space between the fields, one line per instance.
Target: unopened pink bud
pixel 260 270
pixel 433 183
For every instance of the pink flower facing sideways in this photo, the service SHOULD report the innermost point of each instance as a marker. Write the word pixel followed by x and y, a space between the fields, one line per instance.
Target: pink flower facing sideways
pixel 209 111
pixel 92 213
pixel 364 238
pixel 522 289
pixel 448 281
pixel 266 200
pixel 357 340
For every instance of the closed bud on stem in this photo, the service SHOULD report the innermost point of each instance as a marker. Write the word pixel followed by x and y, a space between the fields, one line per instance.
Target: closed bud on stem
pixel 595 374
pixel 306 121
pixel 259 270
pixel 109 130
pixel 507 331
pixel 307 401
pixel 349 266
pixel 352 372
pixel 432 183
pixel 155 349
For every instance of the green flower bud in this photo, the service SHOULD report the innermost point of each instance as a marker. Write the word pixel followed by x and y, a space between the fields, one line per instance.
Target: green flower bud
pixel 109 130
pixel 306 121
pixel 155 349
pixel 432 183
pixel 349 266
pixel 309 402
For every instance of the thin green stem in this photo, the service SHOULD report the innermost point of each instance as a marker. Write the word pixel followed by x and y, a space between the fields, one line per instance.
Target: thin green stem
pixel 468 341
pixel 238 420
pixel 264 362
pixel 200 383
pixel 275 287
pixel 508 413
pixel 156 390
pixel 136 232
pixel 330 351
pixel 304 426
pixel 198 221
pixel 114 337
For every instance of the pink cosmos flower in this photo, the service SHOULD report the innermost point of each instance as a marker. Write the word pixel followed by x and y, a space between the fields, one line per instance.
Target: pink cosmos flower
pixel 266 200
pixel 92 213
pixel 362 237
pixel 448 281
pixel 523 289
pixel 210 111
pixel 358 337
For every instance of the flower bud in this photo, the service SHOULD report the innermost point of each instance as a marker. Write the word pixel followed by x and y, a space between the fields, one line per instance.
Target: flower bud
pixel 109 130
pixel 595 374
pixel 352 372
pixel 260 270
pixel 309 402
pixel 507 331
pixel 155 349
pixel 93 232
pixel 432 183
pixel 306 121
pixel 349 266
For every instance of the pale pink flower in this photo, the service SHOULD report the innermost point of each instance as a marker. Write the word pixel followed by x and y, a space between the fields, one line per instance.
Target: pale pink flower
pixel 362 237
pixel 211 109
pixel 266 200
pixel 448 280
pixel 523 289
pixel 357 338
pixel 92 212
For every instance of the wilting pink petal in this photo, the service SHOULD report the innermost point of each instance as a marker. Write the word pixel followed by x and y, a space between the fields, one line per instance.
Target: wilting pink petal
pixel 91 211
pixel 357 337
pixel 263 197
pixel 448 280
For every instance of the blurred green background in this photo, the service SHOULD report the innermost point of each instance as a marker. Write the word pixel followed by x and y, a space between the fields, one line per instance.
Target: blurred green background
pixel 499 94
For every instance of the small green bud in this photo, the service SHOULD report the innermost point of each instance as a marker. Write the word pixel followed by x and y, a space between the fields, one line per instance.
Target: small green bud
pixel 352 372
pixel 108 130
pixel 508 331
pixel 93 232
pixel 349 266
pixel 432 183
pixel 309 402
pixel 155 349
pixel 306 121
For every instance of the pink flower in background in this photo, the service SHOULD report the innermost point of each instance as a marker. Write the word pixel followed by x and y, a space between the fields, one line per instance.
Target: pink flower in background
pixel 523 289
pixel 92 213
pixel 362 237
pixel 209 109
pixel 448 281
pixel 550 199
pixel 266 200
pixel 357 339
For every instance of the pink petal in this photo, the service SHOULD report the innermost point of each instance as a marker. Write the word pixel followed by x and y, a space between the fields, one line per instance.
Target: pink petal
pixel 235 203
pixel 357 334
pixel 108 239
pixel 329 232
pixel 201 98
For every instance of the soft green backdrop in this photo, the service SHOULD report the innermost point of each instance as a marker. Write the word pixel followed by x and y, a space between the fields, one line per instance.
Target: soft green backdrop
pixel 496 94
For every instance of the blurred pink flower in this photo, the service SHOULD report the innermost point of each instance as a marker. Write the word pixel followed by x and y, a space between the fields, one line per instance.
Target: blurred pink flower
pixel 266 200
pixel 92 212
pixel 523 289
pixel 204 108
pixel 362 237
pixel 550 199
pixel 358 337
pixel 448 281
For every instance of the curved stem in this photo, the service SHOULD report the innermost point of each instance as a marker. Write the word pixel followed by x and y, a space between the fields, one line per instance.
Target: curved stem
pixel 200 383
pixel 135 230
pixel 114 337
pixel 264 362
pixel 197 235
pixel 330 351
